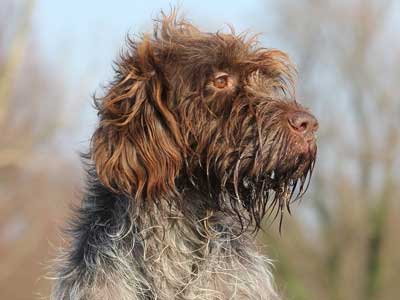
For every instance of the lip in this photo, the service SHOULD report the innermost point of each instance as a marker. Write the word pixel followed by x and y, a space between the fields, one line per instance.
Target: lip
pixel 306 145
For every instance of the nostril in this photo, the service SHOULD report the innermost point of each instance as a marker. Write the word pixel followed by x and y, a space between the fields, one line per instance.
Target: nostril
pixel 303 126
pixel 303 122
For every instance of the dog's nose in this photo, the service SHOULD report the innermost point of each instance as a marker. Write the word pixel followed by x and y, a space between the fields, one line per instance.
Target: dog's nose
pixel 303 122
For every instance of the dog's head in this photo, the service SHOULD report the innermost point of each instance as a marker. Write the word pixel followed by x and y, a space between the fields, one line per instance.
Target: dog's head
pixel 209 110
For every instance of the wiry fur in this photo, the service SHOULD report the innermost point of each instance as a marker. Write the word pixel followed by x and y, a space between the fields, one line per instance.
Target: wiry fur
pixel 171 257
pixel 182 172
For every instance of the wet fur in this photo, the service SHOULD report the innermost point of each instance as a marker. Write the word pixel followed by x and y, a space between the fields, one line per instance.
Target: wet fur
pixel 181 174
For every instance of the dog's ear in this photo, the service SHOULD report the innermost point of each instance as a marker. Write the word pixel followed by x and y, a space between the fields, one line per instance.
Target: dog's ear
pixel 136 148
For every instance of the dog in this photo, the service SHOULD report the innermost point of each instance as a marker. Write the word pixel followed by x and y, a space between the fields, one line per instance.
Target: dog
pixel 199 137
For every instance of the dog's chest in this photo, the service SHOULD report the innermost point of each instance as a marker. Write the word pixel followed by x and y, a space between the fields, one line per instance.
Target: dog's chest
pixel 196 268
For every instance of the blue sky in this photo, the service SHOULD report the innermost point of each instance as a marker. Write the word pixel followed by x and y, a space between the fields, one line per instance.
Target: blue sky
pixel 83 31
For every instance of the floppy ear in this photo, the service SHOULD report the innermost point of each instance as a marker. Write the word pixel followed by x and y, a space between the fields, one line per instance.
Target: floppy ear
pixel 136 146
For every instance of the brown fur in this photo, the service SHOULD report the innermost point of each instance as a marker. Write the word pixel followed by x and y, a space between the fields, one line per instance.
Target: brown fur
pixel 195 144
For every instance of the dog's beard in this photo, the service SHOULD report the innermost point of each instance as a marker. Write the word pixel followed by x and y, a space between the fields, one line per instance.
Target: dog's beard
pixel 267 178
pixel 250 162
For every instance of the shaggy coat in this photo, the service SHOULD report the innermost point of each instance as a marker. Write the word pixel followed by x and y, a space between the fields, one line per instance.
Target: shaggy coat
pixel 199 137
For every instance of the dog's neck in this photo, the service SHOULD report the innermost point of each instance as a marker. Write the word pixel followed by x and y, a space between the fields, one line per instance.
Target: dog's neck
pixel 202 254
pixel 160 253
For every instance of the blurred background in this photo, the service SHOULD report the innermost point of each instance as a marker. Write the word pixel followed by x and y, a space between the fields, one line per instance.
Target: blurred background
pixel 343 241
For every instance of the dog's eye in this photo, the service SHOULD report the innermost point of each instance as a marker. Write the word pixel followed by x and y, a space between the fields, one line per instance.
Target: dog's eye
pixel 221 80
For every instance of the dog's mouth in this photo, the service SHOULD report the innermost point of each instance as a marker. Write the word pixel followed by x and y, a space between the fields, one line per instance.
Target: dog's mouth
pixel 271 192
pixel 258 165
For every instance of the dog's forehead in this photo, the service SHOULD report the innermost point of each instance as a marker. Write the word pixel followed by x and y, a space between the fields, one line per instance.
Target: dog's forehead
pixel 228 49
pixel 187 54
pixel 219 50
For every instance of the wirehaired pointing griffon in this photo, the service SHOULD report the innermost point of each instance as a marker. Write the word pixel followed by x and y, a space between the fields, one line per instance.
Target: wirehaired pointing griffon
pixel 199 137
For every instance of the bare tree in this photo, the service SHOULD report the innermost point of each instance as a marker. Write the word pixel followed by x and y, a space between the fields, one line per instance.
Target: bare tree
pixel 32 185
pixel 347 57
